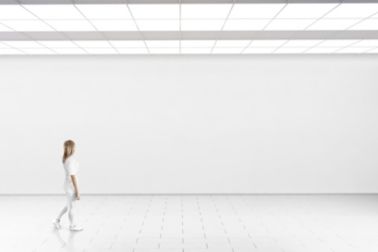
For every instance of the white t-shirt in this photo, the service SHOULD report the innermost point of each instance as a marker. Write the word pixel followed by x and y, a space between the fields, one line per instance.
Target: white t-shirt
pixel 71 167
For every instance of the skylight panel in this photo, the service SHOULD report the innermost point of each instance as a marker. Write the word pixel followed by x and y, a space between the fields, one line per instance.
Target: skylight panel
pixel 93 43
pixel 127 43
pixel 337 42
pixel 267 43
pixel 114 25
pixel 158 25
pixel 71 25
pixel 306 10
pixel 101 50
pixel 302 43
pixel 232 43
pixel 227 50
pixel 289 24
pixel 321 50
pixel 191 50
pixel 10 51
pixel 162 43
pixel 332 24
pixel 164 50
pixel 367 43
pixel 27 25
pixel 4 28
pixel 69 51
pixel 245 24
pixel 290 50
pixel 58 44
pixel 205 11
pixel 256 50
pixel 202 25
pixel 14 12
pixel 55 11
pixel 23 44
pixel 105 11
pixel 353 50
pixel 37 51
pixel 155 11
pixel 368 24
pixel 243 11
pixel 197 43
pixel 375 50
pixel 132 50
pixel 353 10
pixel 3 46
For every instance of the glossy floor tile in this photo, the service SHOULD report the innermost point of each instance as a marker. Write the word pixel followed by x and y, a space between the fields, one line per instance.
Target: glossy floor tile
pixel 312 223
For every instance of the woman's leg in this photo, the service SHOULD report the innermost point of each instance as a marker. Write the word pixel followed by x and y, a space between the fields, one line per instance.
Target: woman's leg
pixel 56 222
pixel 62 212
pixel 71 209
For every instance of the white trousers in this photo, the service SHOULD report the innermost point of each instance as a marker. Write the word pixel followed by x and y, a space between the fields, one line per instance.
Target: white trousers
pixel 70 207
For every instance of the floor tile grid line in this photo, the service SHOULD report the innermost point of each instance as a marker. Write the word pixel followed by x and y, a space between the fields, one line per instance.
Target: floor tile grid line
pixel 124 221
pixel 202 222
pixel 182 222
pixel 247 206
pixel 222 223
pixel 248 226
pixel 163 219
pixel 241 221
pixel 182 219
pixel 144 219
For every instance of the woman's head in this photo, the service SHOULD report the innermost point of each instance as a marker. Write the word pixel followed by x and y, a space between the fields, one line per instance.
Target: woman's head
pixel 69 149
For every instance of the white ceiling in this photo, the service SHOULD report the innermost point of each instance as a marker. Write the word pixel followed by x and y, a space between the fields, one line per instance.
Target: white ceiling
pixel 188 17
pixel 185 18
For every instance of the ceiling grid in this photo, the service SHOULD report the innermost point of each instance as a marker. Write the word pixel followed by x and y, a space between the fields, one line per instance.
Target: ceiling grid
pixel 188 26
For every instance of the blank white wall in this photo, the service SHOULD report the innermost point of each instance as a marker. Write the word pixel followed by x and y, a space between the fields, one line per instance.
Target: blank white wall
pixel 219 124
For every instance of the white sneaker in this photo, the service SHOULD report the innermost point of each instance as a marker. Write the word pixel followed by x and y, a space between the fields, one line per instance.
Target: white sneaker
pixel 56 224
pixel 76 228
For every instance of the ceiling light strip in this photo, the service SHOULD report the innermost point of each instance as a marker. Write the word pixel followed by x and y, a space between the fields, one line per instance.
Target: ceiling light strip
pixel 189 35
pixel 174 1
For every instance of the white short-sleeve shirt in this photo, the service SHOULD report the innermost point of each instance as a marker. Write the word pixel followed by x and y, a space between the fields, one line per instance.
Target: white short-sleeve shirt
pixel 71 167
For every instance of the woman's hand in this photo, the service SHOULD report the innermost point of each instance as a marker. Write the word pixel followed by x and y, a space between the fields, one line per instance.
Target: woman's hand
pixel 74 182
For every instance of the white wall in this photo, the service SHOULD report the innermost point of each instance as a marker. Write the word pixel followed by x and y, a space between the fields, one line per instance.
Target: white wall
pixel 219 124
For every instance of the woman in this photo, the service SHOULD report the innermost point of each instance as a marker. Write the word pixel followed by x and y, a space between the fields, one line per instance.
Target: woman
pixel 70 186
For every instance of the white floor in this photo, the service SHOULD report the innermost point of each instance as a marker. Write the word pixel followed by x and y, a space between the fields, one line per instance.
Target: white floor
pixel 194 223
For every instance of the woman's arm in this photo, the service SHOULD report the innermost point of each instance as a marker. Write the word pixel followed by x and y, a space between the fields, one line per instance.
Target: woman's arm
pixel 74 182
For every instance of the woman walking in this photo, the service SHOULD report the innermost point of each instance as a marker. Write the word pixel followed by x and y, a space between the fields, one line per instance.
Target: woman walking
pixel 70 186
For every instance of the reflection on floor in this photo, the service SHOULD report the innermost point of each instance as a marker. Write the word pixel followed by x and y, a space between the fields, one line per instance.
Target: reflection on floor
pixel 333 223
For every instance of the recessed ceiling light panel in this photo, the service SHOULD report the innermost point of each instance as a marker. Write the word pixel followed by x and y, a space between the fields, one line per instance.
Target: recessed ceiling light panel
pixel 54 11
pixel 205 11
pixel 252 11
pixel 105 11
pixel 155 11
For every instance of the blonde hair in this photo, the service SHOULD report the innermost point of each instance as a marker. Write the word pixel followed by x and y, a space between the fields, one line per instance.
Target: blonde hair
pixel 69 149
